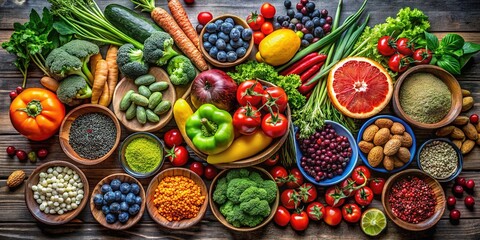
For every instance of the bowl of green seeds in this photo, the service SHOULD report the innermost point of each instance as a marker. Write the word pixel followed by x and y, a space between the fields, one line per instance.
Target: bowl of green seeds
pixel 440 158
pixel 141 154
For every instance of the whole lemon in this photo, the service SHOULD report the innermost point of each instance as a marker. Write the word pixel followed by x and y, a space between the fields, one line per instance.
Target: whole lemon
pixel 278 47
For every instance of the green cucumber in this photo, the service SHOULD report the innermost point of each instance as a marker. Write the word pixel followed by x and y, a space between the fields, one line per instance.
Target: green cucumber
pixel 144 91
pixel 158 86
pixel 154 100
pixel 141 115
pixel 146 80
pixel 130 22
pixel 152 117
pixel 162 107
pixel 131 111
pixel 126 101
pixel 139 99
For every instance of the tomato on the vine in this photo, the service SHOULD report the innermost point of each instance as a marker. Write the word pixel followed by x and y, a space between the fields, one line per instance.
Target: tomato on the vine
pixel 258 36
pixel 273 160
pixel 398 63
pixel 364 196
pixel 276 98
pixel 377 184
pixel 204 17
pixel 173 137
pixel 334 196
pixel 255 20
pixel 385 46
pixel 422 56
pixel 289 199
pixel 351 212
pixel 178 156
pixel 282 216
pixel 268 10
pixel 348 186
pixel 275 125
pixel 250 92
pixel 299 221
pixel 308 192
pixel 294 178
pixel 266 28
pixel 279 173
pixel 333 216
pixel 315 211
pixel 210 172
pixel 247 120
pixel 361 174
pixel 197 167
pixel 405 46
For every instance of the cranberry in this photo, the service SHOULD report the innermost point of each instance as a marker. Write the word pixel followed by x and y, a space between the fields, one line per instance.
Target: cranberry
pixel 19 89
pixel 299 6
pixel 329 19
pixel 469 202
pixel 455 215
pixel 470 184
pixel 21 155
pixel 324 12
pixel 11 151
pixel 304 2
pixel 42 153
pixel 460 181
pixel 13 95
pixel 474 118
pixel 451 201
pixel 458 190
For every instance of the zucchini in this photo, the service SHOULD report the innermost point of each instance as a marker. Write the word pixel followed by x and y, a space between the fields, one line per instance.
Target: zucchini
pixel 130 22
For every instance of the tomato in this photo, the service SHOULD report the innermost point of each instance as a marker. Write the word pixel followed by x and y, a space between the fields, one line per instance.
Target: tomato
pixel 197 167
pixel 273 160
pixel 289 199
pixel 364 196
pixel 333 216
pixel 377 184
pixel 348 186
pixel 268 10
pixel 275 125
pixel 276 98
pixel 361 174
pixel 316 211
pixel 37 113
pixel 204 17
pixel 178 156
pixel 279 173
pixel 282 216
pixel 247 119
pixel 398 63
pixel 422 56
pixel 294 179
pixel 385 46
pixel 266 28
pixel 405 47
pixel 258 36
pixel 308 192
pixel 210 172
pixel 250 92
pixel 334 196
pixel 173 137
pixel 255 20
pixel 299 221
pixel 351 212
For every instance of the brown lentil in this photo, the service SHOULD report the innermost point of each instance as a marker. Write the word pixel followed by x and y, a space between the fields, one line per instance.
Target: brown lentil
pixel 439 159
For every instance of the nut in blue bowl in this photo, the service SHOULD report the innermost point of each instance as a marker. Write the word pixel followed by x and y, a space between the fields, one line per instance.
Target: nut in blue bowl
pixel 330 160
pixel 440 158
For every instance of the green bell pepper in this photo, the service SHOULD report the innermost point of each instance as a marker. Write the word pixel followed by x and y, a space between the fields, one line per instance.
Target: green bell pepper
pixel 210 129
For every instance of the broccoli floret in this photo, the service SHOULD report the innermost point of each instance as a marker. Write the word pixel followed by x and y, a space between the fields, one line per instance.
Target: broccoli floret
pixel 181 70
pixel 73 89
pixel 253 192
pixel 236 187
pixel 220 193
pixel 130 61
pixel 250 220
pixel 256 207
pixel 271 188
pixel 237 173
pixel 256 177
pixel 61 64
pixel 83 50
pixel 158 48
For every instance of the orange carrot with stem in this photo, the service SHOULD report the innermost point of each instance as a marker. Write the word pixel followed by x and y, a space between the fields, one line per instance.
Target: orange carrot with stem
pixel 101 75
pixel 181 17
pixel 111 59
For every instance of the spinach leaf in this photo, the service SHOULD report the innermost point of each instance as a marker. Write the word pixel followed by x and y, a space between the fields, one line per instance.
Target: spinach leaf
pixel 449 63
pixel 432 41
pixel 469 47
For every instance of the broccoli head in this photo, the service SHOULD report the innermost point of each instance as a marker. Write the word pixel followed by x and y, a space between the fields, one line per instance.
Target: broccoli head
pixel 256 207
pixel 236 187
pixel 253 192
pixel 158 48
pixel 83 50
pixel 130 61
pixel 237 173
pixel 271 188
pixel 251 220
pixel 220 193
pixel 61 64
pixel 181 70
pixel 73 89
pixel 238 218
pixel 256 177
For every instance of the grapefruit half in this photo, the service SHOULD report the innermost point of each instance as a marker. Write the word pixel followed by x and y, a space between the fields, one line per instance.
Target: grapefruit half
pixel 359 87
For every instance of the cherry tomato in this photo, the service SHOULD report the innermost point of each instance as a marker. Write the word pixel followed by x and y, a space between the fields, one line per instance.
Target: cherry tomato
pixel 279 173
pixel 334 196
pixel 276 98
pixel 398 63
pixel 455 215
pixel 474 118
pixel 250 92
pixel 173 137
pixel 282 216
pixel 266 28
pixel 451 201
pixel 470 184
pixel 294 179
pixel 255 20
pixel 351 212
pixel 385 46
pixel 197 167
pixel 204 17
pixel 361 174
pixel 289 199
pixel 405 47
pixel 268 10
pixel 273 160
pixel 299 221
pixel 178 156
pixel 308 192
pixel 364 196
pixel 316 211
pixel 348 186
pixel 422 56
pixel 469 201
pixel 210 172
pixel 275 125
pixel 333 216
pixel 258 36
pixel 247 120
pixel 377 184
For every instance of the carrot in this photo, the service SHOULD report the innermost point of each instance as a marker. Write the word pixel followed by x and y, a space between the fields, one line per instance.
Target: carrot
pixel 93 62
pixel 49 83
pixel 101 74
pixel 166 21
pixel 105 97
pixel 181 17
pixel 111 59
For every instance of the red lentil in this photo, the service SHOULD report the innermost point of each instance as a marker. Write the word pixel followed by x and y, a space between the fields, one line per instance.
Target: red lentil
pixel 412 200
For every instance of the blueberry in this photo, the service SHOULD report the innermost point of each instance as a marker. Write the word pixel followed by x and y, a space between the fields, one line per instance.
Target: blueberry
pixel 291 26
pixel 220 44
pixel 234 34
pixel 285 24
pixel 123 217
pixel 207 45
pixel 226 27
pixel 229 20
pixel 236 44
pixel 287 4
pixel 280 19
pixel 105 209
pixel 205 36
pixel 115 207
pixel 276 25
pixel 229 48
pixel 304 43
pixel 223 36
pixel 316 13
pixel 286 18
pixel 110 218
pixel 308 37
pixel 222 56
pixel 106 188
pixel 241 51
pixel 211 28
pixel 212 38
pixel 123 198
pixel 199 28
pixel 318 32
pixel 309 25
pixel 118 196
pixel 316 21
pixel 138 200
pixel 130 199
pixel 109 197
pixel 323 21
pixel 305 19
pixel 125 188
pixel 98 199
pixel 124 206
pixel 246 45
pixel 239 27
pixel 115 184
pixel 218 23
pixel 231 56
pixel 310 6
pixel 298 16
pixel 135 189
pixel 247 34
pixel 104 202
pixel 213 52
pixel 134 209
pixel 290 13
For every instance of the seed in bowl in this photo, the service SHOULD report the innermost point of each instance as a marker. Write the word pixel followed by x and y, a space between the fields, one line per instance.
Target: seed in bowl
pixel 439 159
pixel 59 190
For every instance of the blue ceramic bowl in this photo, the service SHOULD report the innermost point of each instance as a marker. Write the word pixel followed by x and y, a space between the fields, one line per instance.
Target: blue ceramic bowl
pixel 412 149
pixel 459 156
pixel 342 131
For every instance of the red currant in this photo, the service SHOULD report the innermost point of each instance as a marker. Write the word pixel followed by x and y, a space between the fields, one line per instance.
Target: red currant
pixel 455 215
pixel 469 201
pixel 21 155
pixel 13 95
pixel 474 118
pixel 451 201
pixel 19 89
pixel 470 184
pixel 11 151
pixel 458 190
pixel 460 181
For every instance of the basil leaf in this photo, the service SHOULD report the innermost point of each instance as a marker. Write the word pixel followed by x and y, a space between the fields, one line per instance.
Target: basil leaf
pixel 432 41
pixel 457 53
pixel 47 17
pixel 449 63
pixel 34 17
pixel 469 47
pixel 452 42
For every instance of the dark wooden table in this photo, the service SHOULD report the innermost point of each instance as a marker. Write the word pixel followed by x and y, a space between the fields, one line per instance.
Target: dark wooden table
pixel 460 16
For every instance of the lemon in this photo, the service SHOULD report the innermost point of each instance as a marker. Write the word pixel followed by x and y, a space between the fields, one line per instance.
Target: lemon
pixel 373 222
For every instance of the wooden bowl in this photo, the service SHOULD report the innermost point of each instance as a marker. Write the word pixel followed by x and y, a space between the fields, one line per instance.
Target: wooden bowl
pixel 126 85
pixel 33 206
pixel 253 160
pixel 98 214
pixel 217 63
pixel 64 135
pixel 459 167
pixel 447 78
pixel 152 210
pixel 216 211
pixel 439 195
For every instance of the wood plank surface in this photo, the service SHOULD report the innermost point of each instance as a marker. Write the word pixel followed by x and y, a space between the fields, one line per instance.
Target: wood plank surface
pixel 460 16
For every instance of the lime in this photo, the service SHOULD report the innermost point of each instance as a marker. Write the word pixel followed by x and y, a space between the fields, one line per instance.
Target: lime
pixel 373 222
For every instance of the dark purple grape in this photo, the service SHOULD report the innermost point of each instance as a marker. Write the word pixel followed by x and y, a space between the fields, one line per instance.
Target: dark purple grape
pixel 290 13
pixel 329 19
pixel 310 6
pixel 287 4
pixel 324 12
pixel 316 13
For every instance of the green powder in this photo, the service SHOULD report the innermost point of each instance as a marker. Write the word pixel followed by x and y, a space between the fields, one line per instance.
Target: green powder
pixel 143 155
pixel 425 98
